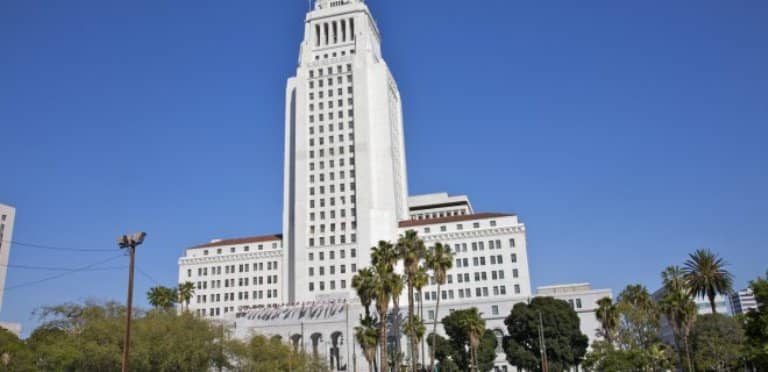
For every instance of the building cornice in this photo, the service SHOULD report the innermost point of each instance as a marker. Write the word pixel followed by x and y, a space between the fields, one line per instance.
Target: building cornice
pixel 468 234
pixel 230 257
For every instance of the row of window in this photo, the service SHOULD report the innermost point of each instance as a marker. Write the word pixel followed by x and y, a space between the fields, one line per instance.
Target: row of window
pixel 241 282
pixel 230 296
pixel 480 245
pixel 427 216
pixel 230 269
pixel 450 294
pixel 480 261
pixel 340 126
pixel 332 163
pixel 459 226
pixel 322 94
pixel 332 213
pixel 333 32
pixel 329 70
pixel 331 270
pixel 332 254
pixel 331 285
pixel 321 241
pixel 479 276
pixel 332 177
pixel 246 248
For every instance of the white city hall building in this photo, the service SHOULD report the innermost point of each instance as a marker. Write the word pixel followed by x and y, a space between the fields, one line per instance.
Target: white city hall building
pixel 345 189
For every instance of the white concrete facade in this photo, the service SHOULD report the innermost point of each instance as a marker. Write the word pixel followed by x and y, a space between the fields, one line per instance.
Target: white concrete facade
pixel 345 189
pixel 7 218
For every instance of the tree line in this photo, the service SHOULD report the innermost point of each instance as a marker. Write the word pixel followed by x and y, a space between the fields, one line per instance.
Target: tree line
pixel 631 326
pixel 89 337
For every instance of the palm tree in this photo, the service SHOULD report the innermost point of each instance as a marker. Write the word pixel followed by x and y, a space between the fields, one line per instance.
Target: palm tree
pixel 367 336
pixel 411 250
pixel 416 327
pixel 162 297
pixel 185 291
pixel 640 313
pixel 397 291
pixel 679 308
pixel 383 258
pixel 473 324
pixel 439 259
pixel 707 277
pixel 362 282
pixel 420 280
pixel 608 315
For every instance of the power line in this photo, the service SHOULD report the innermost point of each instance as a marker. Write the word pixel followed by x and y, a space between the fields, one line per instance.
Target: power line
pixel 83 268
pixel 50 268
pixel 53 248
pixel 147 275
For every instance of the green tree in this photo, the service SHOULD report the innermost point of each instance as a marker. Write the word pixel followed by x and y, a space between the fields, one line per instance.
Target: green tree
pixel 717 343
pixel 445 354
pixel 439 259
pixel 269 354
pixel 411 250
pixel 362 282
pixel 565 344
pixel 383 258
pixel 14 353
pixel 367 336
pixel 636 346
pixel 54 349
pixel 608 315
pixel 162 297
pixel 756 325
pixel 707 277
pixel 680 311
pixel 185 292
pixel 415 326
pixel 640 318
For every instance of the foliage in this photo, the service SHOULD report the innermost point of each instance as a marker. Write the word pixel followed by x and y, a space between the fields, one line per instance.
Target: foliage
pixel 262 354
pixel 606 357
pixel 608 315
pixel 717 343
pixel 185 291
pixel 756 325
pixel 89 337
pixel 565 343
pixel 466 330
pixel 445 353
pixel 439 259
pixel 707 277
pixel 367 336
pixel 635 322
pixel 411 250
pixel 680 311
pixel 162 297
pixel 14 354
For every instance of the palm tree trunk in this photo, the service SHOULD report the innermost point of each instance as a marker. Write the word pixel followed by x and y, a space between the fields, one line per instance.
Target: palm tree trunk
pixel 688 354
pixel 398 348
pixel 412 336
pixel 434 330
pixel 421 315
pixel 712 303
pixel 383 342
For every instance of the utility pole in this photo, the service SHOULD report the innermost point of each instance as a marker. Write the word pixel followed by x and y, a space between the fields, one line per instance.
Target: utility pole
pixel 542 345
pixel 129 242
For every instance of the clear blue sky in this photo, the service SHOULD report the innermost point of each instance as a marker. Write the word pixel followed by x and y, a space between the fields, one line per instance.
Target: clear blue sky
pixel 626 134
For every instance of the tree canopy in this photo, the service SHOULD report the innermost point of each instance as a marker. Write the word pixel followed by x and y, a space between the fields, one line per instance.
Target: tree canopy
pixel 565 344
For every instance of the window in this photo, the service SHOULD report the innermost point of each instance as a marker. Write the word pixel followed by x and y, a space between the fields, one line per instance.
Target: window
pixel 495 310
pixel 514 273
pixel 511 243
pixel 517 288
pixel 513 258
pixel 476 225
pixel 493 223
pixel 311 286
pixel 431 315
pixel 578 303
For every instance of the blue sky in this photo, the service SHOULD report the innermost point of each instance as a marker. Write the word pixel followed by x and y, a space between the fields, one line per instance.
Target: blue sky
pixel 626 134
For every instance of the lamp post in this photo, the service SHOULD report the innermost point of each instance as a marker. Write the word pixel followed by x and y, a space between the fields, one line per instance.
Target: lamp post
pixel 129 242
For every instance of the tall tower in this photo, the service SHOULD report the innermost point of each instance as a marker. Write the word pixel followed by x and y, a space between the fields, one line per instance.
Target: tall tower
pixel 345 176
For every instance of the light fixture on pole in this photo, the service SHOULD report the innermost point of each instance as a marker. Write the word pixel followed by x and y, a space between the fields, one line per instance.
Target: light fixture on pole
pixel 129 242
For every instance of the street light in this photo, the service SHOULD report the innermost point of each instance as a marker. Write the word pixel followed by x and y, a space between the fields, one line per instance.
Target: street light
pixel 129 242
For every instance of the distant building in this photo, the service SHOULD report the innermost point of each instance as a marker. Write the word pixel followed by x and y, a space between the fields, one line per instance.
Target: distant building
pixel 7 216
pixel 743 301
pixel 14 328
pixel 583 299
